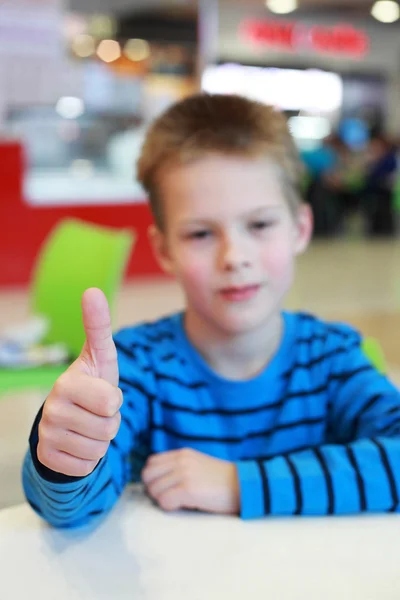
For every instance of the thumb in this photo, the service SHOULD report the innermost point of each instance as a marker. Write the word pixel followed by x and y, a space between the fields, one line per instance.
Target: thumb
pixel 99 350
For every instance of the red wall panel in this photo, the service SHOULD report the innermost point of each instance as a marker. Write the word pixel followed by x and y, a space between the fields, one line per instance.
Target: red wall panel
pixel 23 227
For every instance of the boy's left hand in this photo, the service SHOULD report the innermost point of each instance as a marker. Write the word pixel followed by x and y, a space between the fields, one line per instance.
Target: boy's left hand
pixel 193 480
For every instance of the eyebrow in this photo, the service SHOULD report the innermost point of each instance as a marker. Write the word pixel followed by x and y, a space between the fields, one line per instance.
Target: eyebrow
pixel 252 214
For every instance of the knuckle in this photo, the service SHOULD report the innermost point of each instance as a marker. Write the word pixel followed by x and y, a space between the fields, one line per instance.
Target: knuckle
pixel 47 457
pixel 107 429
pixel 105 407
pixel 187 471
pixel 167 502
pixel 86 467
pixel 109 401
pixel 185 457
pixel 187 486
pixel 151 490
pixel 50 414
pixel 120 398
pixel 101 450
pixel 61 386
pixel 110 427
pixel 117 423
pixel 145 477
pixel 44 434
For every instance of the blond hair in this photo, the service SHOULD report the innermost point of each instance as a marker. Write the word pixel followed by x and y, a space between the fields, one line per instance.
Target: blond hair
pixel 225 124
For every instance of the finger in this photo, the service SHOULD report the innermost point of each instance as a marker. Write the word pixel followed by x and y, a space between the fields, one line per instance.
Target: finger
pixel 79 420
pixel 154 469
pixel 173 499
pixel 165 457
pixel 162 484
pixel 64 463
pixel 99 346
pixel 74 444
pixel 94 395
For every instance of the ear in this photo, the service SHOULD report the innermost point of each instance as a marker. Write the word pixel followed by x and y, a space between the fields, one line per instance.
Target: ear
pixel 304 227
pixel 159 244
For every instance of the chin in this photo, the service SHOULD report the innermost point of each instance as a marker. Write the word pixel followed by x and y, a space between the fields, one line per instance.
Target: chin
pixel 240 324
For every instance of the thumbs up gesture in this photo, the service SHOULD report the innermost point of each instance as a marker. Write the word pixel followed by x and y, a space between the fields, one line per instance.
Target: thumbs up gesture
pixel 81 415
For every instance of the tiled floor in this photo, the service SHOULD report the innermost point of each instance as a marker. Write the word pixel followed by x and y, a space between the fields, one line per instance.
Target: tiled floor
pixel 345 280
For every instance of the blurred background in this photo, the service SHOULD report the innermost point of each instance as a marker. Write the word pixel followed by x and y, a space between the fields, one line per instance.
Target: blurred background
pixel 79 83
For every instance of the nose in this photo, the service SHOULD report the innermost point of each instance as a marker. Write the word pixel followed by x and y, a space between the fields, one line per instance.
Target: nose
pixel 234 255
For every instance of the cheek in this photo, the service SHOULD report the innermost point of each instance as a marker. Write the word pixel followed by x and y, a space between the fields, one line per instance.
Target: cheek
pixel 277 259
pixel 193 271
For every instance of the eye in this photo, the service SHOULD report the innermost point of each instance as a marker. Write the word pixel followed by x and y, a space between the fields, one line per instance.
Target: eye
pixel 261 225
pixel 201 234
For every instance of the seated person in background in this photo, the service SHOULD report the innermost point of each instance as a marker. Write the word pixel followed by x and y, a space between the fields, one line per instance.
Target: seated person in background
pixel 378 200
pixel 233 406
pixel 326 193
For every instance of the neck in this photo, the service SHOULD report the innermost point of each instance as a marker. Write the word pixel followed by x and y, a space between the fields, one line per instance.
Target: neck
pixel 237 357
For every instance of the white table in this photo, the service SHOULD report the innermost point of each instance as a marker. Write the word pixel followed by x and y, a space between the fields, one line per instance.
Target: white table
pixel 141 553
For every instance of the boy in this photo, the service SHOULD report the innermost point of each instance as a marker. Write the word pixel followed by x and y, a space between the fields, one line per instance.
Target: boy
pixel 235 406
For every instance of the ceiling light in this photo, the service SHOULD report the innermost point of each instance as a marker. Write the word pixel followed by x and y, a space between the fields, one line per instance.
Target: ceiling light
pixel 83 45
pixel 137 50
pixel 281 7
pixel 70 107
pixel 109 50
pixel 386 11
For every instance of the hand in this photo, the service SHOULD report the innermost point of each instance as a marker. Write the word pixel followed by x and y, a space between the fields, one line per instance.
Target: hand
pixel 81 415
pixel 190 479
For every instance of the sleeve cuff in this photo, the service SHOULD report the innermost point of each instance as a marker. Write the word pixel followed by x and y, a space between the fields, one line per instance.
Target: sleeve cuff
pixel 252 501
pixel 266 488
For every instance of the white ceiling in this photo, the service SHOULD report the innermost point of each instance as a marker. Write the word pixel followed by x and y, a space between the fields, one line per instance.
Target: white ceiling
pixel 117 6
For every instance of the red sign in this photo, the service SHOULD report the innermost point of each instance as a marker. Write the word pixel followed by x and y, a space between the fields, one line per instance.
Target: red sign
pixel 340 40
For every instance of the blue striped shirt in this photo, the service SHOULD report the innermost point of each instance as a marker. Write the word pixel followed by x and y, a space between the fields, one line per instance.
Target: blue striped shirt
pixel 316 433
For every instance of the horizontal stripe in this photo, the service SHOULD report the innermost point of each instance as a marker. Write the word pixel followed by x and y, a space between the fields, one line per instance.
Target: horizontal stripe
pixel 316 361
pixel 391 429
pixel 136 385
pixel 267 457
pixel 194 385
pixel 128 352
pixel 365 408
pixel 347 375
pixel 161 337
pixel 35 482
pixel 243 438
pixel 314 337
pixel 221 411
pixel 348 334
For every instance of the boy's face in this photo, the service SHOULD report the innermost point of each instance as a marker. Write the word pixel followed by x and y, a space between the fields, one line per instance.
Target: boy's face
pixel 230 239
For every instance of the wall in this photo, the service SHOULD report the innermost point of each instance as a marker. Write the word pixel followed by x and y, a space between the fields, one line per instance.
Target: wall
pixel 23 228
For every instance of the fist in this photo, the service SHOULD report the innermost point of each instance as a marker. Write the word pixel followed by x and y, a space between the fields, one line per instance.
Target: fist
pixel 82 412
pixel 192 480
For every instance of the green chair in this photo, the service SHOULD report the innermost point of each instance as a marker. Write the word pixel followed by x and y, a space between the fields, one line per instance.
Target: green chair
pixel 77 255
pixel 373 350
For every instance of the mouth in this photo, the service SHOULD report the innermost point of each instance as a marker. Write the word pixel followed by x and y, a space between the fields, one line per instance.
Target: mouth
pixel 240 294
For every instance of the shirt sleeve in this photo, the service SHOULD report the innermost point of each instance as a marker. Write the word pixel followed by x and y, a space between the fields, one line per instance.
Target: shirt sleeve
pixel 72 501
pixel 356 471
